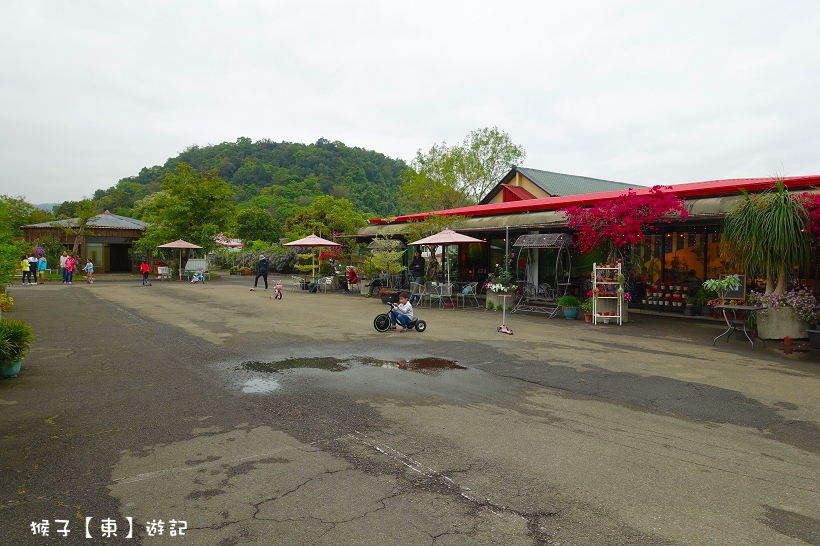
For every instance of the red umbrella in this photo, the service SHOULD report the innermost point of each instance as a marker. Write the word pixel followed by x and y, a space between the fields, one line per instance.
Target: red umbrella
pixel 312 241
pixel 180 244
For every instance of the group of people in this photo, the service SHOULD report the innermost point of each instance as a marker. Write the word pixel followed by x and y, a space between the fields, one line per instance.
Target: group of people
pixel 68 265
pixel 29 264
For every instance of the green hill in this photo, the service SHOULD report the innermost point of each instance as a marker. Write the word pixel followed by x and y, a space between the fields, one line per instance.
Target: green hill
pixel 278 176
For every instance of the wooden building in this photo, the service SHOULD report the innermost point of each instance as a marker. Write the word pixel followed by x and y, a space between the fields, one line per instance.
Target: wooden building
pixel 108 239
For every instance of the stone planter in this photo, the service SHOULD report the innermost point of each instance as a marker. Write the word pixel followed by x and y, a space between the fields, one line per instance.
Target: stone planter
pixel 492 297
pixel 814 338
pixel 780 323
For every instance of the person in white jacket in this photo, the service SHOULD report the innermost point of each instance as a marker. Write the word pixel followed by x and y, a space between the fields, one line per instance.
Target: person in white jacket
pixel 402 312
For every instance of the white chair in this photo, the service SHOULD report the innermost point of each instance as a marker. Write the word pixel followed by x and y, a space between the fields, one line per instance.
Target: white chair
pixel 297 283
pixel 468 292
pixel 325 284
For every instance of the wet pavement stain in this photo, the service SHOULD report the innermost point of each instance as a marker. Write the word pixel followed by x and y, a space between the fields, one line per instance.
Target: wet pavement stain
pixel 322 363
pixel 428 366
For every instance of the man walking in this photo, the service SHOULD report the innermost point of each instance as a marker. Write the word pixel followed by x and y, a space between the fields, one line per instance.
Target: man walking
pixel 261 271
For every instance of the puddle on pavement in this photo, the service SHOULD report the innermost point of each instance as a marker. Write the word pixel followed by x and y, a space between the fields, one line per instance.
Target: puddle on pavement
pixel 428 366
pixel 260 385
pixel 791 352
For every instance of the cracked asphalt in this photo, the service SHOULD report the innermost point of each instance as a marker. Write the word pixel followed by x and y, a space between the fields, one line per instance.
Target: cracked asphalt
pixel 133 403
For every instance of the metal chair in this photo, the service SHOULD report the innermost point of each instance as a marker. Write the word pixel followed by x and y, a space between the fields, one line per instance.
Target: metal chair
pixel 297 283
pixel 545 291
pixel 416 291
pixel 428 292
pixel 443 291
pixel 468 292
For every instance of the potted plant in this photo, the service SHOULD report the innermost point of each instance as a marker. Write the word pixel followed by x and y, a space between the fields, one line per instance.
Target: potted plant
pixel 570 305
pixel 586 307
pixel 688 310
pixel 15 339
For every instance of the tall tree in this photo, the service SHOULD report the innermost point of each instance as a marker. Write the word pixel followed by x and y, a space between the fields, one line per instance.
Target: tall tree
pixel 451 176
pixel 192 206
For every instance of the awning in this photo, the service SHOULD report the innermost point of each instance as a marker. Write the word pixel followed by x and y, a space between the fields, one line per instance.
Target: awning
pixel 544 240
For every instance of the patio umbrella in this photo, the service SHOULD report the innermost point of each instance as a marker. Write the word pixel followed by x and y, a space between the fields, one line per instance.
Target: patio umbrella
pixel 312 241
pixel 447 237
pixel 180 244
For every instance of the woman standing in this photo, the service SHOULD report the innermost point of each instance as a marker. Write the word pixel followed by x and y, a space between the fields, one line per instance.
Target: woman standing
pixel 70 263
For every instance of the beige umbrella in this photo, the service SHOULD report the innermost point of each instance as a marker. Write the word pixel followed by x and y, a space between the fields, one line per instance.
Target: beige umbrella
pixel 312 241
pixel 444 238
pixel 180 244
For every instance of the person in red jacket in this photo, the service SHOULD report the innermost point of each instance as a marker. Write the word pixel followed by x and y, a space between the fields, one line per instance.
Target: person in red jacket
pixel 144 271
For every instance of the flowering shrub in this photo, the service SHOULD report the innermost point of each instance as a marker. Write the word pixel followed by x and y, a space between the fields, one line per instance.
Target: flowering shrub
pixel 802 300
pixel 6 302
pixel 627 296
pixel 499 287
pixel 624 219
pixel 716 301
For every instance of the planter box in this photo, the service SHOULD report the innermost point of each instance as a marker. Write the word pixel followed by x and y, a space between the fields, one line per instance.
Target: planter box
pixel 780 323
pixel 492 297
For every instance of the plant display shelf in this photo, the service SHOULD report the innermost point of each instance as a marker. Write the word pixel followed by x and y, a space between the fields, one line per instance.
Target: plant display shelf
pixel 604 278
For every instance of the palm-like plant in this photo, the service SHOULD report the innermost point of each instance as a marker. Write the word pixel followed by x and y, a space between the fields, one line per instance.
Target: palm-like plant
pixel 766 234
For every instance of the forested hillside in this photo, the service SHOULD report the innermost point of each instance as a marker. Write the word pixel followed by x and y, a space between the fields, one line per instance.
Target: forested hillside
pixel 280 177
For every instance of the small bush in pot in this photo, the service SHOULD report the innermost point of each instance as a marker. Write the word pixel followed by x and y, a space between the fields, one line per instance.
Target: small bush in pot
pixel 15 339
pixel 570 304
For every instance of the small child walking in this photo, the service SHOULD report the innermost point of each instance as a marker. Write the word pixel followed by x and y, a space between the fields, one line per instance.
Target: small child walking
pixel 89 271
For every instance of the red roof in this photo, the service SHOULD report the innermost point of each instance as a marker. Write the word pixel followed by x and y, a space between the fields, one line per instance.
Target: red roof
pixel 517 192
pixel 693 189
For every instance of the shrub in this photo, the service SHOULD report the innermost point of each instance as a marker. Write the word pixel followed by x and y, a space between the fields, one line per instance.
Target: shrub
pixel 569 301
pixel 15 338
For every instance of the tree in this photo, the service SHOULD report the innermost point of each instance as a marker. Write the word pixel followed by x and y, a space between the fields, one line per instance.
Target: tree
pixel 19 212
pixel 325 216
pixel 76 226
pixel 10 249
pixel 767 234
pixel 453 176
pixel 255 224
pixel 192 206
pixel 623 220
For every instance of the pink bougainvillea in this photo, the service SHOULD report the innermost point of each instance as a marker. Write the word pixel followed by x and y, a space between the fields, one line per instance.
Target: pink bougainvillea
pixel 812 203
pixel 625 219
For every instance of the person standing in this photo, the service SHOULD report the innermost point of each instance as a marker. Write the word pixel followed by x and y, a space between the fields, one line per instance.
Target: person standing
pixel 417 271
pixel 24 269
pixel 70 264
pixel 261 271
pixel 42 265
pixel 32 268
pixel 144 270
pixel 63 259
pixel 89 271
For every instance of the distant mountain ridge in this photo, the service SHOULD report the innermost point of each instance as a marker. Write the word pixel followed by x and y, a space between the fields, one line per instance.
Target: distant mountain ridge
pixel 278 176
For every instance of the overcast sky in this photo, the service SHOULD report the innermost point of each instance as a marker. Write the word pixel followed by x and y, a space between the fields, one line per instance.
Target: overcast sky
pixel 639 92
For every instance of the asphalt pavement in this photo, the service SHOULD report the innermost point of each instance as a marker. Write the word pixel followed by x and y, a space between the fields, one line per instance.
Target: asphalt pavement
pixel 230 418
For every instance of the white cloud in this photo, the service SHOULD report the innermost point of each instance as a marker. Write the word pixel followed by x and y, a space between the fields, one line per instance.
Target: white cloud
pixel 641 92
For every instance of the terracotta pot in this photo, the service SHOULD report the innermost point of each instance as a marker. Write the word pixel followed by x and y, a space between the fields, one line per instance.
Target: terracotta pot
pixel 588 318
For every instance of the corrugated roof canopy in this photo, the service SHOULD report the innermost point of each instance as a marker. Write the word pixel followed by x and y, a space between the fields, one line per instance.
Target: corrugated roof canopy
pixel 545 240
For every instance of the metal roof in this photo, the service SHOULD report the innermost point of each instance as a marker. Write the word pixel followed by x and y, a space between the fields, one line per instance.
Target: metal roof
pixel 104 220
pixel 557 184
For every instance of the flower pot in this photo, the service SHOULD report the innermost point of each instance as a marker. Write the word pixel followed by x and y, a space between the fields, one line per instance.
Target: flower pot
pixel 715 313
pixel 588 318
pixel 10 369
pixel 570 313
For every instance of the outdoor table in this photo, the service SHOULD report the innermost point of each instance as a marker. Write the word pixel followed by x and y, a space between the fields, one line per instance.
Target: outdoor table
pixel 734 323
